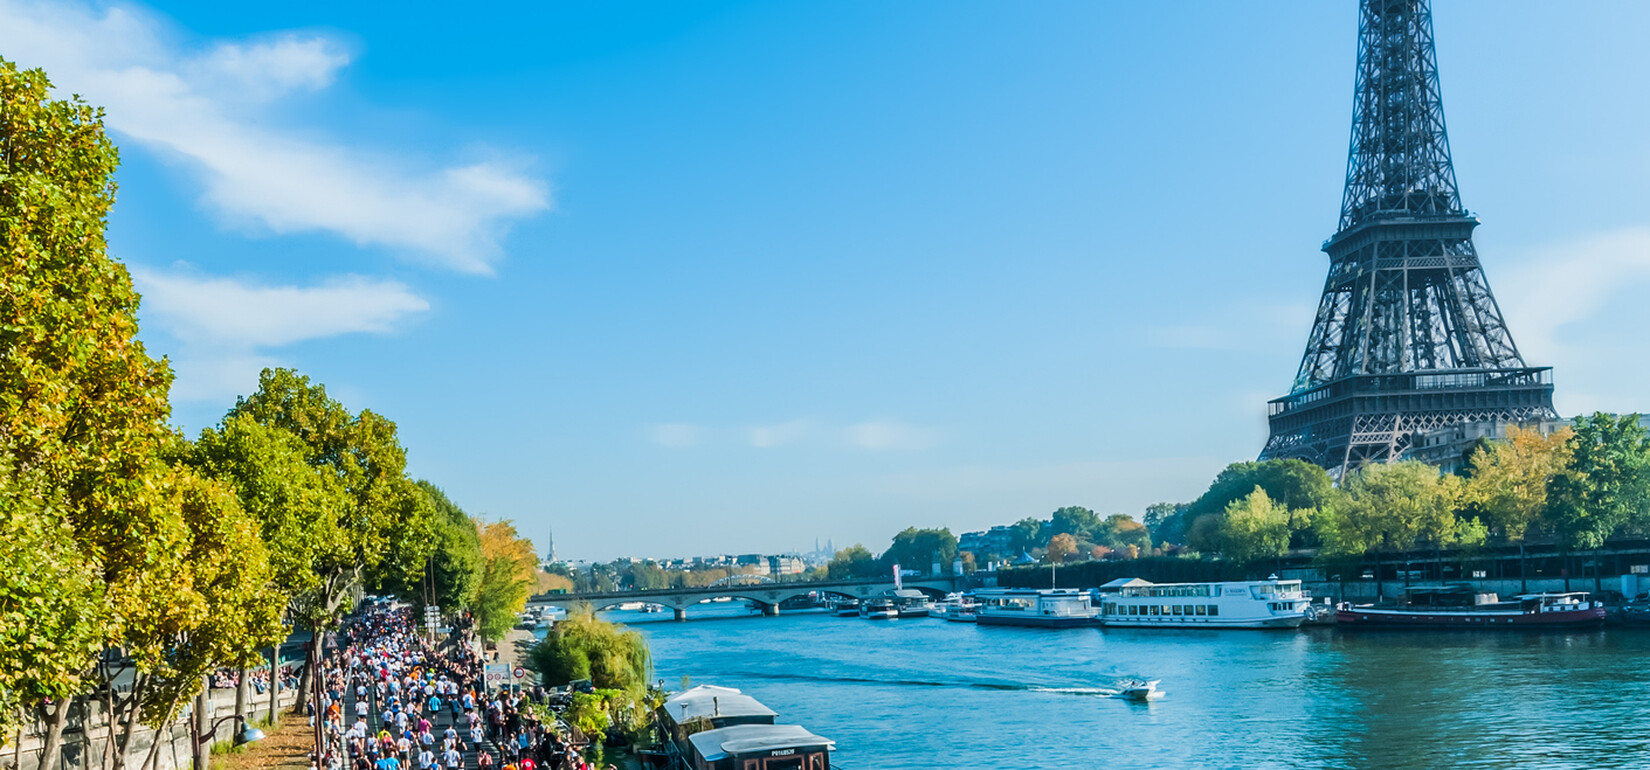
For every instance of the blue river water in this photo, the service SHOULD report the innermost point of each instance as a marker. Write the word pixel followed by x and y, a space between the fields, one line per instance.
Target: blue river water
pixel 927 693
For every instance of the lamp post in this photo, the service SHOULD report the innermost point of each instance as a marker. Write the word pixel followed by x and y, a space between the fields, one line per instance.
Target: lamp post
pixel 201 733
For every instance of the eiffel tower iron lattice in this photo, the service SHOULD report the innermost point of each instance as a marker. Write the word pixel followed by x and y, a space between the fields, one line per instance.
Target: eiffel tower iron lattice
pixel 1407 337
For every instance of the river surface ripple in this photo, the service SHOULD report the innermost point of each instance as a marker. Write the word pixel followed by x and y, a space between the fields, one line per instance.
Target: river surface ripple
pixel 924 693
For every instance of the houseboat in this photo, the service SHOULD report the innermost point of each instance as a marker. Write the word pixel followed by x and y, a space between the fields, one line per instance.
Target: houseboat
pixel 760 747
pixel 877 608
pixel 846 608
pixel 1045 607
pixel 1461 606
pixel 708 707
pixel 1136 603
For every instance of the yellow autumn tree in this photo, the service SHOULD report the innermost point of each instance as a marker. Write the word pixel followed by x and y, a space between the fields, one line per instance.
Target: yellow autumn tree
pixel 508 573
pixel 1509 478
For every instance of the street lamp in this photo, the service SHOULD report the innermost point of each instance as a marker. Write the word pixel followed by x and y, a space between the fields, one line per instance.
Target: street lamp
pixel 201 735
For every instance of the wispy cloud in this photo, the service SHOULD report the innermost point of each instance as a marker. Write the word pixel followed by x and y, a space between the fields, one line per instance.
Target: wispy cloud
pixel 1575 306
pixel 675 434
pixel 226 326
pixel 768 436
pixel 211 109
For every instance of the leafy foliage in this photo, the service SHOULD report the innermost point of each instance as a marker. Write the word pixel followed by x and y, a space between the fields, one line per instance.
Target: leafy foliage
pixel 583 646
pixel 508 567
pixel 1607 485
pixel 855 561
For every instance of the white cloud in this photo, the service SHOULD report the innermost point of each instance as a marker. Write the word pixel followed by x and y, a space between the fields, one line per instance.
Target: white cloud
pixel 766 436
pixel 203 108
pixel 675 434
pixel 887 435
pixel 225 325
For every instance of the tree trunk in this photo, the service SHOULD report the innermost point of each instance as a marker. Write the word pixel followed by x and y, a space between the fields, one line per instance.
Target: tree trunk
pixel 1567 561
pixel 242 691
pixel 200 746
pixel 274 682
pixel 314 666
pixel 1379 593
pixel 1598 571
pixel 52 752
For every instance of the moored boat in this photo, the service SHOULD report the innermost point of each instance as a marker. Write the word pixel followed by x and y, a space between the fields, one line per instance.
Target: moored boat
pixel 1042 607
pixel 878 609
pixel 1136 603
pixel 959 608
pixel 910 603
pixel 846 608
pixel 1460 606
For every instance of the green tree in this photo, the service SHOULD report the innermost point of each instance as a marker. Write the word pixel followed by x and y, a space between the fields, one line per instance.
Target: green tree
pixel 1081 523
pixel 615 660
pixel 855 561
pixel 382 533
pixel 1165 522
pixel 919 549
pixel 50 600
pixel 83 410
pixel 1296 484
pixel 1395 507
pixel 82 405
pixel 455 566
pixel 1607 484
pixel 1256 528
pixel 1029 533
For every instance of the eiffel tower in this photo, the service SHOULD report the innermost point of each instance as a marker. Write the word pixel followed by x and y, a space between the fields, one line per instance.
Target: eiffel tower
pixel 1408 337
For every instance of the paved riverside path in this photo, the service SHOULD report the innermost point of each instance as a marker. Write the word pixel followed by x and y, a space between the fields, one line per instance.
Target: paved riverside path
pixel 439 722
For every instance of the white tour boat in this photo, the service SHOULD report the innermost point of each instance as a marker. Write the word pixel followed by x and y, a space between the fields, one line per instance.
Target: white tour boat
pixel 1136 603
pixel 1045 607
pixel 959 608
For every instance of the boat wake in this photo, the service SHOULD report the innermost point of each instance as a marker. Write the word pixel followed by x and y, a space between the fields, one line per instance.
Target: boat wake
pixel 961 685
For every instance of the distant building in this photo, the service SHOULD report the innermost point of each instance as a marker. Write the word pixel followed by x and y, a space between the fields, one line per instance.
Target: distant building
pixel 778 566
pixel 996 540
pixel 1447 447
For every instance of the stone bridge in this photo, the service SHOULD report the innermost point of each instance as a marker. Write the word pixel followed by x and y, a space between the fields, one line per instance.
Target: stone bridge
pixel 766 595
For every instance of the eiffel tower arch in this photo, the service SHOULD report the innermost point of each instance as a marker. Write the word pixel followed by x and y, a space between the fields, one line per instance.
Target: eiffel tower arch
pixel 1408 337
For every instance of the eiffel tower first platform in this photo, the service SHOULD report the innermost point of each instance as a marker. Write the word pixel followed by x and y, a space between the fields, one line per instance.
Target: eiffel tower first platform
pixel 1408 338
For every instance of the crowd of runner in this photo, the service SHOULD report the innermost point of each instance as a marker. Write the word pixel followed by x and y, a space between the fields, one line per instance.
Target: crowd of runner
pixel 392 701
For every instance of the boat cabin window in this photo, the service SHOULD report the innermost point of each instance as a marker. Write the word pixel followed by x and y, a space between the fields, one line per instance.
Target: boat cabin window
pixel 1214 609
pixel 1202 609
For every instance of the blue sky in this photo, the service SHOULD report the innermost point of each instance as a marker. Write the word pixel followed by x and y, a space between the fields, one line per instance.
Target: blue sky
pixel 681 278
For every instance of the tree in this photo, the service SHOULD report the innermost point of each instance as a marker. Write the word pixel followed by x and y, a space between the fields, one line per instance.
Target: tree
pixel 919 549
pixel 179 574
pixel 1607 484
pixel 1120 530
pixel 1079 522
pixel 381 536
pixel 1255 529
pixel 855 561
pixel 1028 534
pixel 82 405
pixel 1508 479
pixel 1166 522
pixel 616 661
pixel 1060 548
pixel 50 600
pixel 452 574
pixel 508 569
pixel 1394 507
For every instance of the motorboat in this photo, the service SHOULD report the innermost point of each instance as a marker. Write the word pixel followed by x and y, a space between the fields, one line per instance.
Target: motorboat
pixel 1139 690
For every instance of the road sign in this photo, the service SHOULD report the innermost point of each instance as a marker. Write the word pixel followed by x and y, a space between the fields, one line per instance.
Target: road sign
pixel 497 675
pixel 521 673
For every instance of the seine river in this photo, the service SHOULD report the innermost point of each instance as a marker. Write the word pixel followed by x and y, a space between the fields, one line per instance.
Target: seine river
pixel 927 693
